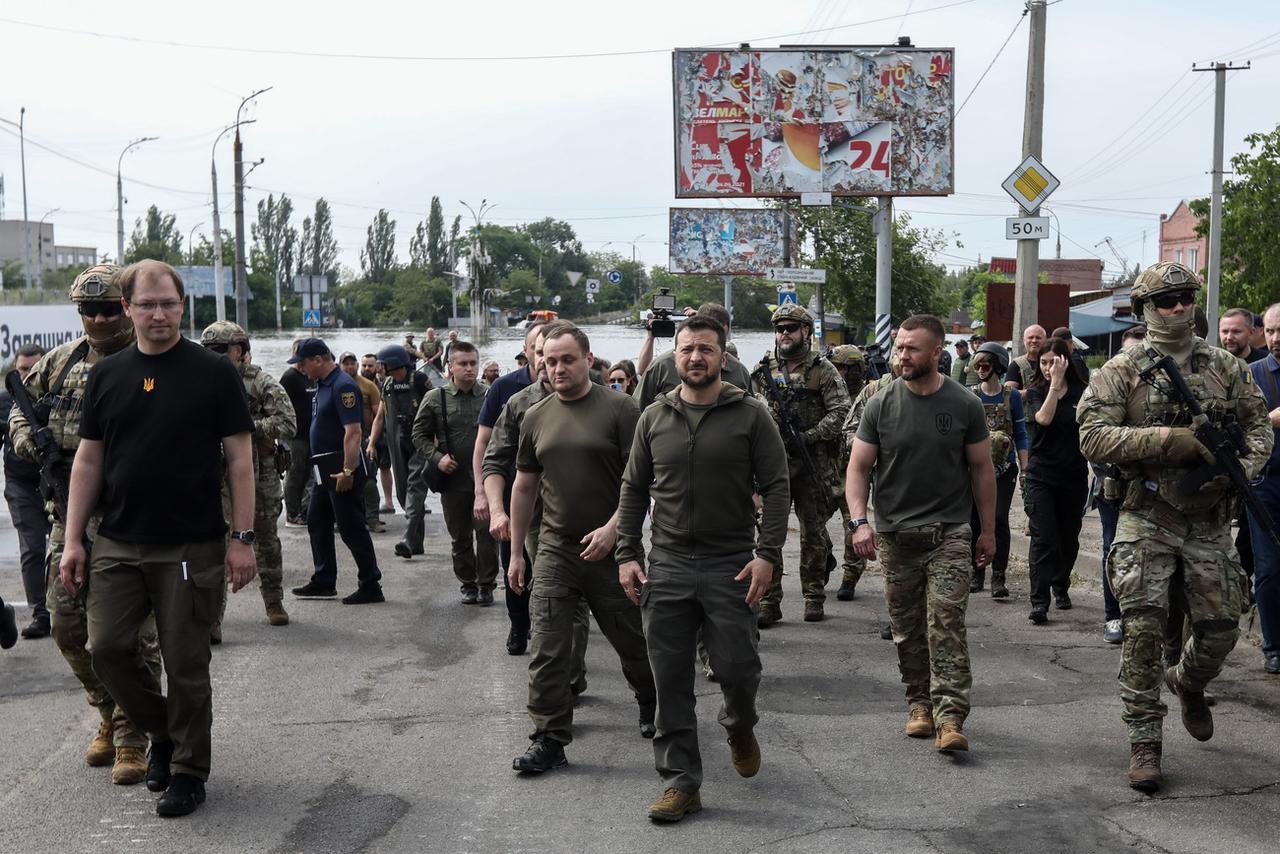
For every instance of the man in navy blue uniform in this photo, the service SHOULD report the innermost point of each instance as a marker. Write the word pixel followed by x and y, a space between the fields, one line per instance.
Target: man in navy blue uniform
pixel 336 415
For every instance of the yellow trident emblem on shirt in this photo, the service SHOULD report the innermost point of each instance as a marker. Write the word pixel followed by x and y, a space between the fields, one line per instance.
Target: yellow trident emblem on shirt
pixel 149 384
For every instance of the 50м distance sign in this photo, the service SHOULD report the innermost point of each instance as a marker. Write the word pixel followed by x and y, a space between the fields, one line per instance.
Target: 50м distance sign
pixel 776 123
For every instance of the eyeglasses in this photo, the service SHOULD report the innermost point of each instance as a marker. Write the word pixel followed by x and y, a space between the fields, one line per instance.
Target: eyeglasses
pixel 217 348
pixel 787 328
pixel 95 308
pixel 1169 300
pixel 167 306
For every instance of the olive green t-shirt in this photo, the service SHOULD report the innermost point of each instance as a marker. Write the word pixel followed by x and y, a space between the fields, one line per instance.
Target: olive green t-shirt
pixel 921 473
pixel 580 448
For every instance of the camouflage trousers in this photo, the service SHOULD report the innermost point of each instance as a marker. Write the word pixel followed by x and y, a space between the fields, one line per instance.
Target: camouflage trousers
pixel 70 624
pixel 1144 564
pixel 926 588
pixel 816 561
pixel 268 498
pixel 852 566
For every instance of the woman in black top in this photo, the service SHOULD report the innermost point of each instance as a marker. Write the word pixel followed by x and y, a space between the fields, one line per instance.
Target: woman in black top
pixel 1057 482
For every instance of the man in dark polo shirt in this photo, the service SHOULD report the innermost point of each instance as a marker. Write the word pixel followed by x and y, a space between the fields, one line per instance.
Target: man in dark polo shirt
pixel 159 419
pixel 341 467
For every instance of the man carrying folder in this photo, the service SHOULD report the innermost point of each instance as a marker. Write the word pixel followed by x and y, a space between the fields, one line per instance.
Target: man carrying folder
pixel 341 469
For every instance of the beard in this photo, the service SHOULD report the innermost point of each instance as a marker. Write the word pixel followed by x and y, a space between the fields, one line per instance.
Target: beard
pixel 708 378
pixel 919 372
pixel 792 351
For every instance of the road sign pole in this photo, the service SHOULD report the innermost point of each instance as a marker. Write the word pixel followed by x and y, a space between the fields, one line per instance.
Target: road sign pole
pixel 1026 291
pixel 820 327
pixel 883 224
pixel 728 299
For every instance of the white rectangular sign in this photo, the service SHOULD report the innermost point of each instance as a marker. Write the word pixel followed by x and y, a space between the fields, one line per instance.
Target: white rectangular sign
pixel 46 325
pixel 1026 228
pixel 796 274
pixel 816 199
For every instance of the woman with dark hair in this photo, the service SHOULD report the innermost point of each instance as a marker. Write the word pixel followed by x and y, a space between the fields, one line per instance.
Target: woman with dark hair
pixel 622 376
pixel 1057 483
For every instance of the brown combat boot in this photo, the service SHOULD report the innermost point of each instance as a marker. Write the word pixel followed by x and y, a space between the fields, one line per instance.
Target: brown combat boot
pixel 130 767
pixel 950 737
pixel 1144 766
pixel 1196 716
pixel 744 751
pixel 276 614
pixel 812 611
pixel 769 615
pixel 102 750
pixel 674 805
pixel 920 723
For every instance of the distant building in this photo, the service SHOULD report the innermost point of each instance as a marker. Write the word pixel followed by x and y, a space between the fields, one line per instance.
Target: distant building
pixel 1179 241
pixel 46 255
pixel 1080 274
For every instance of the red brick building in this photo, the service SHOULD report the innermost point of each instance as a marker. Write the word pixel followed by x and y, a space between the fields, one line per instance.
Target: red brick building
pixel 1179 241
pixel 1081 274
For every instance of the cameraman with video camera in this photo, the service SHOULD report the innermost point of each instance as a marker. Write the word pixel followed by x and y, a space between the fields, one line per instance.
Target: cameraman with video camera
pixel 659 375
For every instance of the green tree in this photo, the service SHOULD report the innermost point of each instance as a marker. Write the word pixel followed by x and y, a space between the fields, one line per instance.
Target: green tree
pixel 438 254
pixel 155 236
pixel 379 253
pixel 1250 211
pixel 318 255
pixel 274 239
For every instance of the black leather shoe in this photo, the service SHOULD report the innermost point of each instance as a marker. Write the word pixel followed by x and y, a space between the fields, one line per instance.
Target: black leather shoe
pixel 37 629
pixel 365 594
pixel 486 597
pixel 1039 616
pixel 8 627
pixel 544 754
pixel 647 728
pixel 517 642
pixel 846 593
pixel 1271 663
pixel 1062 601
pixel 158 758
pixel 403 549
pixel 470 597
pixel 184 794
pixel 886 633
pixel 313 590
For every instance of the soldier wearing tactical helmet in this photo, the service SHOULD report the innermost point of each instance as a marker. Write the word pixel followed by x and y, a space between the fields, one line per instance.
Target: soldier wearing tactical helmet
pixel 1131 422
pixel 273 422
pixel 402 392
pixel 851 363
pixel 57 384
pixel 809 401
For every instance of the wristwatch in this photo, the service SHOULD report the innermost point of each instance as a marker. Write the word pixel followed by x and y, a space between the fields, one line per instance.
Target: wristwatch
pixel 247 537
pixel 348 472
pixel 854 524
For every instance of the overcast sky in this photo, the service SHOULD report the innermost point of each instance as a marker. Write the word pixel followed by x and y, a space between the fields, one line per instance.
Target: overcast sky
pixel 588 139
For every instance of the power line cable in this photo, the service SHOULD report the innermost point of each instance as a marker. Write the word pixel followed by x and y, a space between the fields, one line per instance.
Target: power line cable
pixel 991 63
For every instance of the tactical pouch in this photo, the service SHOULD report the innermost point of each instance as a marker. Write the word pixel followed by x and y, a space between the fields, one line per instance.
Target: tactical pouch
pixel 284 458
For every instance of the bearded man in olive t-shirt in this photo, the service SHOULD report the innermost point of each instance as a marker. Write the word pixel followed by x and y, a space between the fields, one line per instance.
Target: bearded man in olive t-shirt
pixel 573 448
pixel 927 442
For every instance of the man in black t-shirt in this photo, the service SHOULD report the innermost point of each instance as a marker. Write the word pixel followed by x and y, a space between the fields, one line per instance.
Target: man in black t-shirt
pixel 159 419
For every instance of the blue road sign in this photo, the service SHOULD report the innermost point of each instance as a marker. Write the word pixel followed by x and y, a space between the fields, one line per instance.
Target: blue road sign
pixel 311 318
pixel 614 276
pixel 786 295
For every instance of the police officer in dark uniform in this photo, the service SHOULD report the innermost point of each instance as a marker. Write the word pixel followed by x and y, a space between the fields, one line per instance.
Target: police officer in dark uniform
pixel 336 416
pixel 402 392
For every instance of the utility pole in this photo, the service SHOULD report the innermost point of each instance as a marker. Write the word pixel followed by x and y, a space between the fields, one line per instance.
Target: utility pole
pixel 1026 291
pixel 242 281
pixel 120 196
pixel 1219 70
pixel 26 220
pixel 479 329
pixel 882 225
pixel 820 322
pixel 219 303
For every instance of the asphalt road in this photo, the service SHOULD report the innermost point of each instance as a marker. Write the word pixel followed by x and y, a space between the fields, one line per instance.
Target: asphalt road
pixel 392 728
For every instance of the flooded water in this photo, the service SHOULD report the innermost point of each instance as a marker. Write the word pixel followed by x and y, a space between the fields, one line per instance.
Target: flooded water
pixel 608 342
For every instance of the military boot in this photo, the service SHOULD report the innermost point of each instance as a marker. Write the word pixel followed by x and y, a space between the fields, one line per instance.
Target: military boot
pixel 276 614
pixel 978 580
pixel 674 805
pixel 130 767
pixel 998 588
pixel 847 592
pixel 813 611
pixel 744 753
pixel 950 738
pixel 1144 766
pixel 769 614
pixel 920 722
pixel 102 750
pixel 215 634
pixel 1196 716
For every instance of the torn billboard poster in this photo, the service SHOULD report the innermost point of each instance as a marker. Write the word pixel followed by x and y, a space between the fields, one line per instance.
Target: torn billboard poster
pixel 861 121
pixel 725 242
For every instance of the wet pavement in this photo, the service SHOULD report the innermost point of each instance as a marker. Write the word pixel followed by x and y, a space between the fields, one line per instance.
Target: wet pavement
pixel 392 728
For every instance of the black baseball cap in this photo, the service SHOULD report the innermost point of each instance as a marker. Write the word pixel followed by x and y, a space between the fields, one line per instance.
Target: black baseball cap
pixel 308 348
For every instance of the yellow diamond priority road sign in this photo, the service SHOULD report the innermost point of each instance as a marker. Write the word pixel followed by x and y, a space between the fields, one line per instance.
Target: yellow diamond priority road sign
pixel 1031 184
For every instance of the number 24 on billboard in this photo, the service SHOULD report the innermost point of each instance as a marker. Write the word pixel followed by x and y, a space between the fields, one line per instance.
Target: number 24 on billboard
pixel 877 153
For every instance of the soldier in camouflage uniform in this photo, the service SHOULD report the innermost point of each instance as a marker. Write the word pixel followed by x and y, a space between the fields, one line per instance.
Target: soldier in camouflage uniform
pixel 56 384
pixel 850 361
pixel 402 393
pixel 1130 422
pixel 273 421
pixel 814 396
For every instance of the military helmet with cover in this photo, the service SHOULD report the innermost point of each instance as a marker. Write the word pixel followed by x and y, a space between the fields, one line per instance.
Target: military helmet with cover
pixel 1165 277
pixel 99 283
pixel 997 352
pixel 224 332
pixel 847 355
pixel 394 356
pixel 790 311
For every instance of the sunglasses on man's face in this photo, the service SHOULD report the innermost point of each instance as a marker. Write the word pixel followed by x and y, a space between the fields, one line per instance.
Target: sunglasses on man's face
pixel 106 308
pixel 787 328
pixel 1174 298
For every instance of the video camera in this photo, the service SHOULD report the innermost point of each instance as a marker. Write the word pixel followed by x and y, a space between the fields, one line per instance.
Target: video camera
pixel 660 322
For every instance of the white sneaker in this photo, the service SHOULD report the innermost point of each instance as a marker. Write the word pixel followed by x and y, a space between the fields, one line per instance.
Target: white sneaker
pixel 1113 631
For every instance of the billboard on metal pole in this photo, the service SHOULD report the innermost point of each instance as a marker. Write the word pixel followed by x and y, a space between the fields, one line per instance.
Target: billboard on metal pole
pixel 725 241
pixel 859 121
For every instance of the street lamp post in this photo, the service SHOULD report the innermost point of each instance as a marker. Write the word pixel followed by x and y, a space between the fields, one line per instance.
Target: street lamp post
pixel 40 238
pixel 242 283
pixel 219 305
pixel 478 325
pixel 120 196
pixel 191 291
pixel 20 124
pixel 639 278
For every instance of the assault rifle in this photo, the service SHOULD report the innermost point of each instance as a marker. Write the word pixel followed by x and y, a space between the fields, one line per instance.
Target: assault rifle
pixel 54 469
pixel 791 433
pixel 1225 443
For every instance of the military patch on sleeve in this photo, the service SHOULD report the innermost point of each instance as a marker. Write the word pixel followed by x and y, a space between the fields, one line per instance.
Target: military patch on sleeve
pixel 1246 376
pixel 349 399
